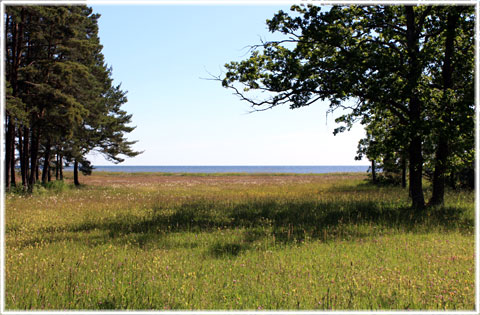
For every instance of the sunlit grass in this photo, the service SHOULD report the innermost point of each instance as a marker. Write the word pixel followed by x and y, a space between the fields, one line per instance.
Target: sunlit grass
pixel 237 242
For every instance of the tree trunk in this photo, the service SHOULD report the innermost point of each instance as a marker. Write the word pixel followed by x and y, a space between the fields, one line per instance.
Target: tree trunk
pixel 24 161
pixel 404 172
pixel 12 159
pixel 20 151
pixel 33 160
pixel 441 155
pixel 415 169
pixel 46 163
pixel 15 49
pixel 75 174
pixel 374 174
pixel 415 110
pixel 57 167
pixel 61 167
pixel 8 154
pixel 37 171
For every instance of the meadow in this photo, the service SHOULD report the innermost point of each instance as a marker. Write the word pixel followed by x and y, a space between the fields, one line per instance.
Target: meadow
pixel 236 242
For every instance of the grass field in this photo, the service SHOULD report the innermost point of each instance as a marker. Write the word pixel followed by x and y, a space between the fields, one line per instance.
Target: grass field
pixel 256 242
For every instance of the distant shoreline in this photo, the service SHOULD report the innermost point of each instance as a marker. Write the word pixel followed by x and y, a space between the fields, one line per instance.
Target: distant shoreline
pixel 265 169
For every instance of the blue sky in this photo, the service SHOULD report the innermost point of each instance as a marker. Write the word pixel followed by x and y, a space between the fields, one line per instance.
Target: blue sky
pixel 161 53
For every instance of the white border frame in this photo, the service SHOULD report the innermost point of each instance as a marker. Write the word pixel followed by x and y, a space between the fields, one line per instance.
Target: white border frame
pixel 233 2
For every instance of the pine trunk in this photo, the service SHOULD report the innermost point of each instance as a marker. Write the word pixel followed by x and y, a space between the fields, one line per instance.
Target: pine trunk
pixel 37 171
pixel 374 174
pixel 33 161
pixel 46 163
pixel 75 174
pixel 21 155
pixel 61 167
pixel 13 182
pixel 15 46
pixel 26 154
pixel 8 155
pixel 57 167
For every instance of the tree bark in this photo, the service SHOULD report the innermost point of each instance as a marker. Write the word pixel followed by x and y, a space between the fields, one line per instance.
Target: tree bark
pixel 20 151
pixel 61 167
pixel 415 169
pixel 46 163
pixel 57 166
pixel 24 160
pixel 374 174
pixel 33 160
pixel 8 155
pixel 75 173
pixel 415 110
pixel 12 159
pixel 37 171
pixel 404 172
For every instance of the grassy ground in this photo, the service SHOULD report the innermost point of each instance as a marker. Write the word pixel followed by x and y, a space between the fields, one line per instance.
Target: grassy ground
pixel 150 241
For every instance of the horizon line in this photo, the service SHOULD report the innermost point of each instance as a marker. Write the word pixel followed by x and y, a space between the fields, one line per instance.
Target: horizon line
pixel 234 165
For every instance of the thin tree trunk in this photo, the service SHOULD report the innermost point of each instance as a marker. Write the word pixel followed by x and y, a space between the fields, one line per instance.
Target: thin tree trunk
pixel 37 171
pixel 57 166
pixel 21 155
pixel 8 148
pixel 374 174
pixel 61 167
pixel 46 163
pixel 26 154
pixel 16 56
pixel 404 172
pixel 12 159
pixel 33 160
pixel 75 173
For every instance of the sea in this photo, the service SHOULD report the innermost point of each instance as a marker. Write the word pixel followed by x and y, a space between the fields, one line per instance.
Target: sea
pixel 299 169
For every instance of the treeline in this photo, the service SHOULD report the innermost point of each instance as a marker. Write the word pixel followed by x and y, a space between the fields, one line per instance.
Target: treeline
pixel 405 72
pixel 61 103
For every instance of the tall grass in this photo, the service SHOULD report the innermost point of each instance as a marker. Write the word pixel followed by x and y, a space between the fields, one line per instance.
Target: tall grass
pixel 237 242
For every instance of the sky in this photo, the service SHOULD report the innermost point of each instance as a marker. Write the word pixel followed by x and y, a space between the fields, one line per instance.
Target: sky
pixel 162 54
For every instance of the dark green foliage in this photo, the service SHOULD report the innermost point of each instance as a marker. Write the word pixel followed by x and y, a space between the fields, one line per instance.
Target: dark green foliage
pixel 61 101
pixel 401 67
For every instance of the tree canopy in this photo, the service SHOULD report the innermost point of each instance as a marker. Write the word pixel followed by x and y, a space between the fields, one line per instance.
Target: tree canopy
pixel 402 67
pixel 61 100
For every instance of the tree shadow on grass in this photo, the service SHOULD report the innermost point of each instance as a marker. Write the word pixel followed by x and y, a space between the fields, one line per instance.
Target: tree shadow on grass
pixel 285 221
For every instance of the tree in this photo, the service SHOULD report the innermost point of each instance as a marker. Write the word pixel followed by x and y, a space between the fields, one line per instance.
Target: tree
pixel 59 90
pixel 451 93
pixel 378 56
pixel 384 147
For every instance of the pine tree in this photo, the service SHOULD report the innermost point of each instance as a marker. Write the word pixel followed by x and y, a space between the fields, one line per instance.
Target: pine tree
pixel 59 97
